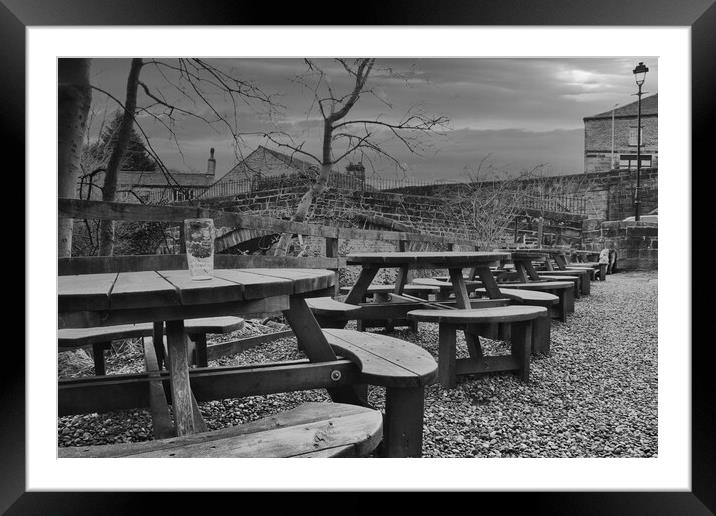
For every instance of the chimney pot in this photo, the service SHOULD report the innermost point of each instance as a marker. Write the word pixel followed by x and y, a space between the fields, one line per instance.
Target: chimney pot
pixel 211 164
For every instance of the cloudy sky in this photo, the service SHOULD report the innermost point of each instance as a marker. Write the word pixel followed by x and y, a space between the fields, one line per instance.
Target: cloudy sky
pixel 515 114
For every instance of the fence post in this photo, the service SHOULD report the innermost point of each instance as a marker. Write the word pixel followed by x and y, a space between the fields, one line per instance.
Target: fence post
pixel 332 252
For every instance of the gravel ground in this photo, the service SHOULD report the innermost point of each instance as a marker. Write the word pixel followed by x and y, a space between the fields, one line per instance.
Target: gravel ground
pixel 595 396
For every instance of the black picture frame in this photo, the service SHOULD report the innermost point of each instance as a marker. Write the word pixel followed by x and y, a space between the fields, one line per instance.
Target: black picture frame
pixel 700 15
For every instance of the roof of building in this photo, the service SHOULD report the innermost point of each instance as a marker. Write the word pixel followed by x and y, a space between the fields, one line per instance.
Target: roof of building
pixel 266 162
pixel 649 106
pixel 158 178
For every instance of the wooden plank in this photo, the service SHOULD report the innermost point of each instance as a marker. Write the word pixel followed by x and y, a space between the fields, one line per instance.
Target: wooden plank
pixel 256 285
pixel 430 259
pixel 521 346
pixel 255 308
pixel 214 290
pixel 358 292
pixel 488 281
pixel 162 426
pixel 84 292
pixel 178 365
pixel 121 392
pixel 75 337
pixel 512 313
pixel 488 364
pixel 157 342
pixel 462 298
pixel 361 429
pixel 401 279
pixel 156 262
pixel 403 423
pixel 220 349
pixel 307 331
pixel 384 360
pixel 142 290
pixel 447 355
pixel 304 280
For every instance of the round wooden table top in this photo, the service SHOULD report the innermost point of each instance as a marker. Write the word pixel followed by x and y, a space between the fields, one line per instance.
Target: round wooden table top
pixel 175 289
pixel 436 259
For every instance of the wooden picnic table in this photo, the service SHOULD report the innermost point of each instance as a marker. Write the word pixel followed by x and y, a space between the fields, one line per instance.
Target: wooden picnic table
pixel 169 297
pixel 478 263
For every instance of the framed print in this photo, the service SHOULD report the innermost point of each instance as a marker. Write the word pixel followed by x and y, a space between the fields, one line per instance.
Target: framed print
pixel 667 473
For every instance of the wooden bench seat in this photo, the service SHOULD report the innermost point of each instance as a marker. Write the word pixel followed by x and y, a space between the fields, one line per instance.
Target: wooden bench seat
pixel 331 313
pixel 541 327
pixel 384 360
pixel 445 287
pixel 575 279
pixel 417 290
pixel 469 321
pixel 564 290
pixel 404 369
pixel 585 277
pixel 309 430
pixel 100 338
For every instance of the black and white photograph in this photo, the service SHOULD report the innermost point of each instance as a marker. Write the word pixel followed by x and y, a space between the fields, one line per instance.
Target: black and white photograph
pixel 358 257
pixel 433 251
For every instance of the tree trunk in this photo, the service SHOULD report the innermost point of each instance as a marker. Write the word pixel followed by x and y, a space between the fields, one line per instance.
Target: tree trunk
pixel 74 97
pixel 313 192
pixel 106 228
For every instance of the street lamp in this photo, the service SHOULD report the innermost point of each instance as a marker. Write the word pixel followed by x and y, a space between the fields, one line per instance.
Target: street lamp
pixel 639 76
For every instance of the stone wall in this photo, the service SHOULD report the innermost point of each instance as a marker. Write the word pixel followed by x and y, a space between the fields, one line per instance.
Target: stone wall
pixel 636 243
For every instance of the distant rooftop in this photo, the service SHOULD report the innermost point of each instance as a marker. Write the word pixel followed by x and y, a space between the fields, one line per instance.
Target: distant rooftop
pixel 157 178
pixel 649 106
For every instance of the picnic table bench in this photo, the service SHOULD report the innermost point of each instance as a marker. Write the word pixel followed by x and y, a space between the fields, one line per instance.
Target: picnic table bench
pixel 100 338
pixel 145 296
pixel 469 321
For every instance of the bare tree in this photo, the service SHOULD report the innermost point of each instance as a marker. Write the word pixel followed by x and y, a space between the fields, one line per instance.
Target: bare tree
pixel 345 137
pixel 74 99
pixel 191 81
pixel 489 206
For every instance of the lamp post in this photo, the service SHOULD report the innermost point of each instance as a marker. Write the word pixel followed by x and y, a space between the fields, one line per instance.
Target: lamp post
pixel 639 75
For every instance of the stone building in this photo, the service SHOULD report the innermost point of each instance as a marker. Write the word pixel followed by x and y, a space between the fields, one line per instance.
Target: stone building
pixel 610 138
pixel 266 168
pixel 153 187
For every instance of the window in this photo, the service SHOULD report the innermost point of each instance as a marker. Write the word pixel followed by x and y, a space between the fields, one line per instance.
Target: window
pixel 633 136
pixel 183 195
pixel 628 161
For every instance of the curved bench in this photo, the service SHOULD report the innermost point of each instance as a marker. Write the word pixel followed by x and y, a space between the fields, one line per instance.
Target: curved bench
pixel 449 321
pixel 309 430
pixel 404 369
pixel 417 290
pixel 574 278
pixel 101 338
pixel 445 286
pixel 585 277
pixel 564 290
pixel 542 326
pixel 331 313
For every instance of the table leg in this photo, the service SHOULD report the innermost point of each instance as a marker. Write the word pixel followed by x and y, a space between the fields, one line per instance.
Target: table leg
pixel 178 365
pixel 462 298
pixel 531 270
pixel 561 262
pixel 548 264
pixel 158 343
pixel 488 281
pixel 313 343
pixel 403 421
pixel 358 292
pixel 401 279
